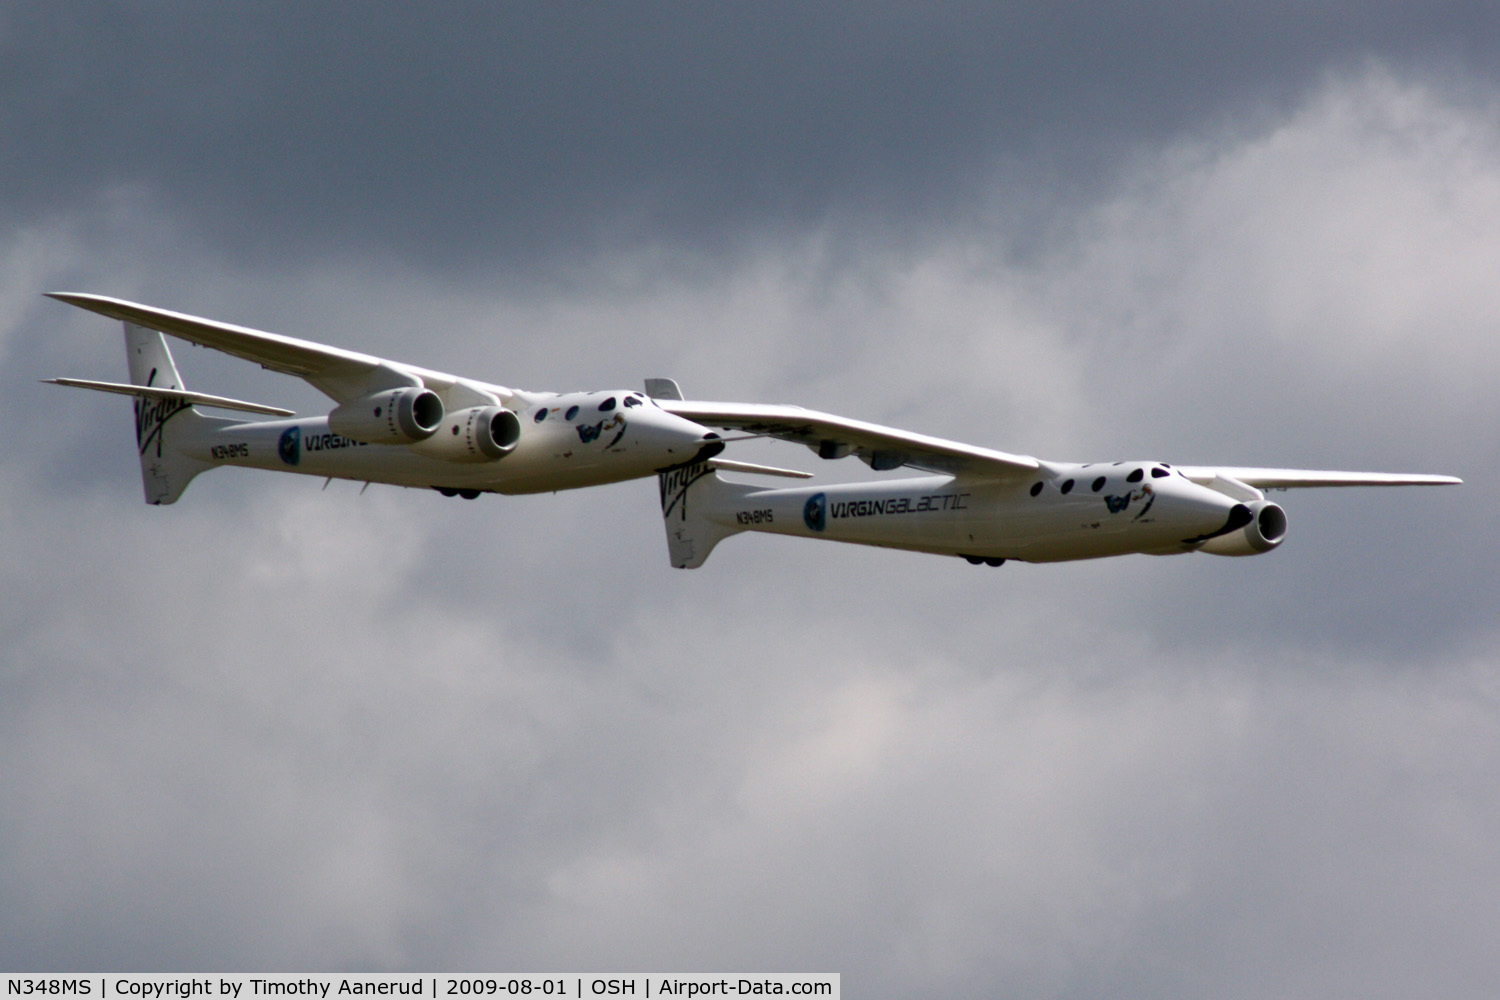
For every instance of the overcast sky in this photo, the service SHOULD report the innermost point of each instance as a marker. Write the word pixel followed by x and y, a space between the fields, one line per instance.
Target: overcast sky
pixel 281 727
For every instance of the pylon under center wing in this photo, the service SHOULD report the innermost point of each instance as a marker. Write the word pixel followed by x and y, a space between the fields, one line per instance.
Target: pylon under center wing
pixel 831 436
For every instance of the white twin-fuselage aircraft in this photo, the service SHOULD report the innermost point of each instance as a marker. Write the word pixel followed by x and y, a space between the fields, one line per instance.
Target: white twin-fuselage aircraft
pixel 408 426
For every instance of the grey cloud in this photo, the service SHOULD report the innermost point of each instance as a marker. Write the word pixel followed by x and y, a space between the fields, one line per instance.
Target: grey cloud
pixel 514 134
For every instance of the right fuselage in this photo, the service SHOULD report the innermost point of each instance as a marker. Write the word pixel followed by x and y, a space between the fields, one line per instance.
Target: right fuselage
pixel 1064 512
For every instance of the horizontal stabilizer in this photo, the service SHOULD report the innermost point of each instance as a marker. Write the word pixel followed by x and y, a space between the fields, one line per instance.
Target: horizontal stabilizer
pixel 180 395
pixel 763 470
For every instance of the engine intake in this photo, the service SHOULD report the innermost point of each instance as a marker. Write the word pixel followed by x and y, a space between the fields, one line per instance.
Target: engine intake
pixel 393 416
pixel 1265 530
pixel 478 434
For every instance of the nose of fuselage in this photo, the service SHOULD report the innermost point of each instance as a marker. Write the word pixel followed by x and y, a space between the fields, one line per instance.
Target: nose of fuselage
pixel 1207 513
pixel 680 438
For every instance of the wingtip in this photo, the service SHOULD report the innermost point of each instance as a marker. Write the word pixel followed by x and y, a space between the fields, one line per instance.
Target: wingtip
pixel 82 299
pixel 103 305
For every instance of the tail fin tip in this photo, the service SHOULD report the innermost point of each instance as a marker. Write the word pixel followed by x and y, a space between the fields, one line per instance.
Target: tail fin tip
pixel 689 495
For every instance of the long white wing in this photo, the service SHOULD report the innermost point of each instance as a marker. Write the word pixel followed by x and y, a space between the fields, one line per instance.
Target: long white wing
pixel 340 374
pixel 887 448
pixel 834 437
pixel 1280 479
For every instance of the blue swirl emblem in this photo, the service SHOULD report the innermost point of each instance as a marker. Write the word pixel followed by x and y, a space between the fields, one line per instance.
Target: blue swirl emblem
pixel 815 512
pixel 290 445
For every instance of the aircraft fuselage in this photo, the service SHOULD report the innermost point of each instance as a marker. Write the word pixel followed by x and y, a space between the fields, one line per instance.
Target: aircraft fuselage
pixel 1064 512
pixel 574 444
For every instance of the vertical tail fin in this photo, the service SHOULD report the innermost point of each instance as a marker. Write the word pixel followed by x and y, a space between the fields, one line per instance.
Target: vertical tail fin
pixel 161 424
pixel 689 497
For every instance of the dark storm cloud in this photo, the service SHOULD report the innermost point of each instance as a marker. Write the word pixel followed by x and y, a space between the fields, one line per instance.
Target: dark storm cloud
pixel 507 132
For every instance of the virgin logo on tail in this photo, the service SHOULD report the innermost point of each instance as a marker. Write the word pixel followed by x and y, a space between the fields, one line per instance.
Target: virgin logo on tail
pixel 674 485
pixel 152 414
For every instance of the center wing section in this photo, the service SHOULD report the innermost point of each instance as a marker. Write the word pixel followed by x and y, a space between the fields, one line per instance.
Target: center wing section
pixel 881 448
pixel 340 374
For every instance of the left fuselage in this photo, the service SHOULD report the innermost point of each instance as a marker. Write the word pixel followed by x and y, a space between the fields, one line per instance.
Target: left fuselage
pixel 565 442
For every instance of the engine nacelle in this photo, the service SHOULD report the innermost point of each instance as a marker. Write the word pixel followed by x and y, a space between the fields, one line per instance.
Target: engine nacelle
pixel 393 416
pixel 478 434
pixel 1265 531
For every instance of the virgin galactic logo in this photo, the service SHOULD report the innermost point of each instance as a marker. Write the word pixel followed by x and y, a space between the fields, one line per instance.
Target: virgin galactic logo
pixel 815 512
pixel 290 445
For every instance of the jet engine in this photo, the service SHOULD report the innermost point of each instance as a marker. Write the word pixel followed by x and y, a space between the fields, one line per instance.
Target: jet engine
pixel 1266 530
pixel 478 434
pixel 393 416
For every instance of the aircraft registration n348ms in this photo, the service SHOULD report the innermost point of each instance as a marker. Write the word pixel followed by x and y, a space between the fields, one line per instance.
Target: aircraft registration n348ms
pixel 394 423
pixel 986 506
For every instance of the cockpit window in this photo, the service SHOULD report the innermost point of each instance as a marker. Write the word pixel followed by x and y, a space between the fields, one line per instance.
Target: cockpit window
pixel 632 401
pixel 1135 475
pixel 607 405
pixel 1159 473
